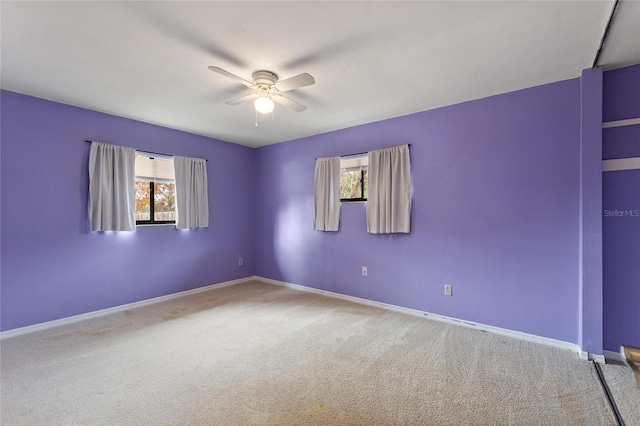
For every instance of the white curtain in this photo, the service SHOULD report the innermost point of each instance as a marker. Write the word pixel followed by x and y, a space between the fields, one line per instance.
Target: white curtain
pixel 389 191
pixel 112 188
pixel 192 201
pixel 327 194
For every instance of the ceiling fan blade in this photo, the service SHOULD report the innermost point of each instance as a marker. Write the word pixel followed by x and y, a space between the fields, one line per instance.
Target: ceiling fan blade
pixel 231 76
pixel 300 80
pixel 241 99
pixel 289 103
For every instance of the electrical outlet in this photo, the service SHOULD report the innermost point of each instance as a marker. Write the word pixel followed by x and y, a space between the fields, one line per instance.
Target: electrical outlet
pixel 448 290
pixel 240 261
pixel 364 271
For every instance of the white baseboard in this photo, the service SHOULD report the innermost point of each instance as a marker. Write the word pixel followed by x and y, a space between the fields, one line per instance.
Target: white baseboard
pixel 442 318
pixel 70 320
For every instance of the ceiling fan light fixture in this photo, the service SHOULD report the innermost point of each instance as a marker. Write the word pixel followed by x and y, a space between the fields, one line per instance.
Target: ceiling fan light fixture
pixel 264 104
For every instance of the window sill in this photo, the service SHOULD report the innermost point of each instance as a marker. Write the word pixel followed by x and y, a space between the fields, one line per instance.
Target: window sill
pixel 154 224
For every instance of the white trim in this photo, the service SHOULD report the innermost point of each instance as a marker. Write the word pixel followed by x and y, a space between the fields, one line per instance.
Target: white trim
pixel 620 123
pixel 617 164
pixel 615 356
pixel 600 359
pixel 95 314
pixel 442 318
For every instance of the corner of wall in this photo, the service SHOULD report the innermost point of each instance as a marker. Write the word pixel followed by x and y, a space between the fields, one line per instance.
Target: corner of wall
pixel 590 208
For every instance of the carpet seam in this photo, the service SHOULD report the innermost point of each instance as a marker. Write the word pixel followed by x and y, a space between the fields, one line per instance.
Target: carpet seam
pixel 607 393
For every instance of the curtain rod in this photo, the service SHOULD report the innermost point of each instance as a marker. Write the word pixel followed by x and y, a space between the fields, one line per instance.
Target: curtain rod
pixel 362 153
pixel 151 152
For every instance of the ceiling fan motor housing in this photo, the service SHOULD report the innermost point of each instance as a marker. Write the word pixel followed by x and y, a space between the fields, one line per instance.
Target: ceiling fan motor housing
pixel 264 78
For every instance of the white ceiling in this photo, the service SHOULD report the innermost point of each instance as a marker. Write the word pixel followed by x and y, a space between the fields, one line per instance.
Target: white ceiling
pixel 371 60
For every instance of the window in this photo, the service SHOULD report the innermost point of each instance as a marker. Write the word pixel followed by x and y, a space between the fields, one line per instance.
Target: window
pixel 155 190
pixel 354 177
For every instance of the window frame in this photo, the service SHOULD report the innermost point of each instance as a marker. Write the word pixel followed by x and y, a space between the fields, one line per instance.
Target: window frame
pixel 152 200
pixel 152 208
pixel 362 198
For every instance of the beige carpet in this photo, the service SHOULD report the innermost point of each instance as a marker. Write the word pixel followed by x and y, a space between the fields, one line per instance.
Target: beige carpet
pixel 255 353
pixel 625 393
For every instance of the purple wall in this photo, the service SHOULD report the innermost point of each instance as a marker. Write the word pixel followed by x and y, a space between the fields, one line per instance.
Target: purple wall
pixel 621 94
pixel 500 201
pixel 621 201
pixel 495 213
pixel 52 267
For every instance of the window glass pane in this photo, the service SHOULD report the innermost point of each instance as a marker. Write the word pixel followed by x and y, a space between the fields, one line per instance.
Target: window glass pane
pixel 165 201
pixel 350 184
pixel 143 207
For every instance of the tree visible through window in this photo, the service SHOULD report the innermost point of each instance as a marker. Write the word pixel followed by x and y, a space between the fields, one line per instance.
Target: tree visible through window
pixel 163 208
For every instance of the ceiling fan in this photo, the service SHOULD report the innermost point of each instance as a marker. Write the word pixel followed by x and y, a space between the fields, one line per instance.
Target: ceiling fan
pixel 266 89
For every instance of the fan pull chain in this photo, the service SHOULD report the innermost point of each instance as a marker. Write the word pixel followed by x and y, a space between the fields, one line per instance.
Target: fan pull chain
pixel 256 111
